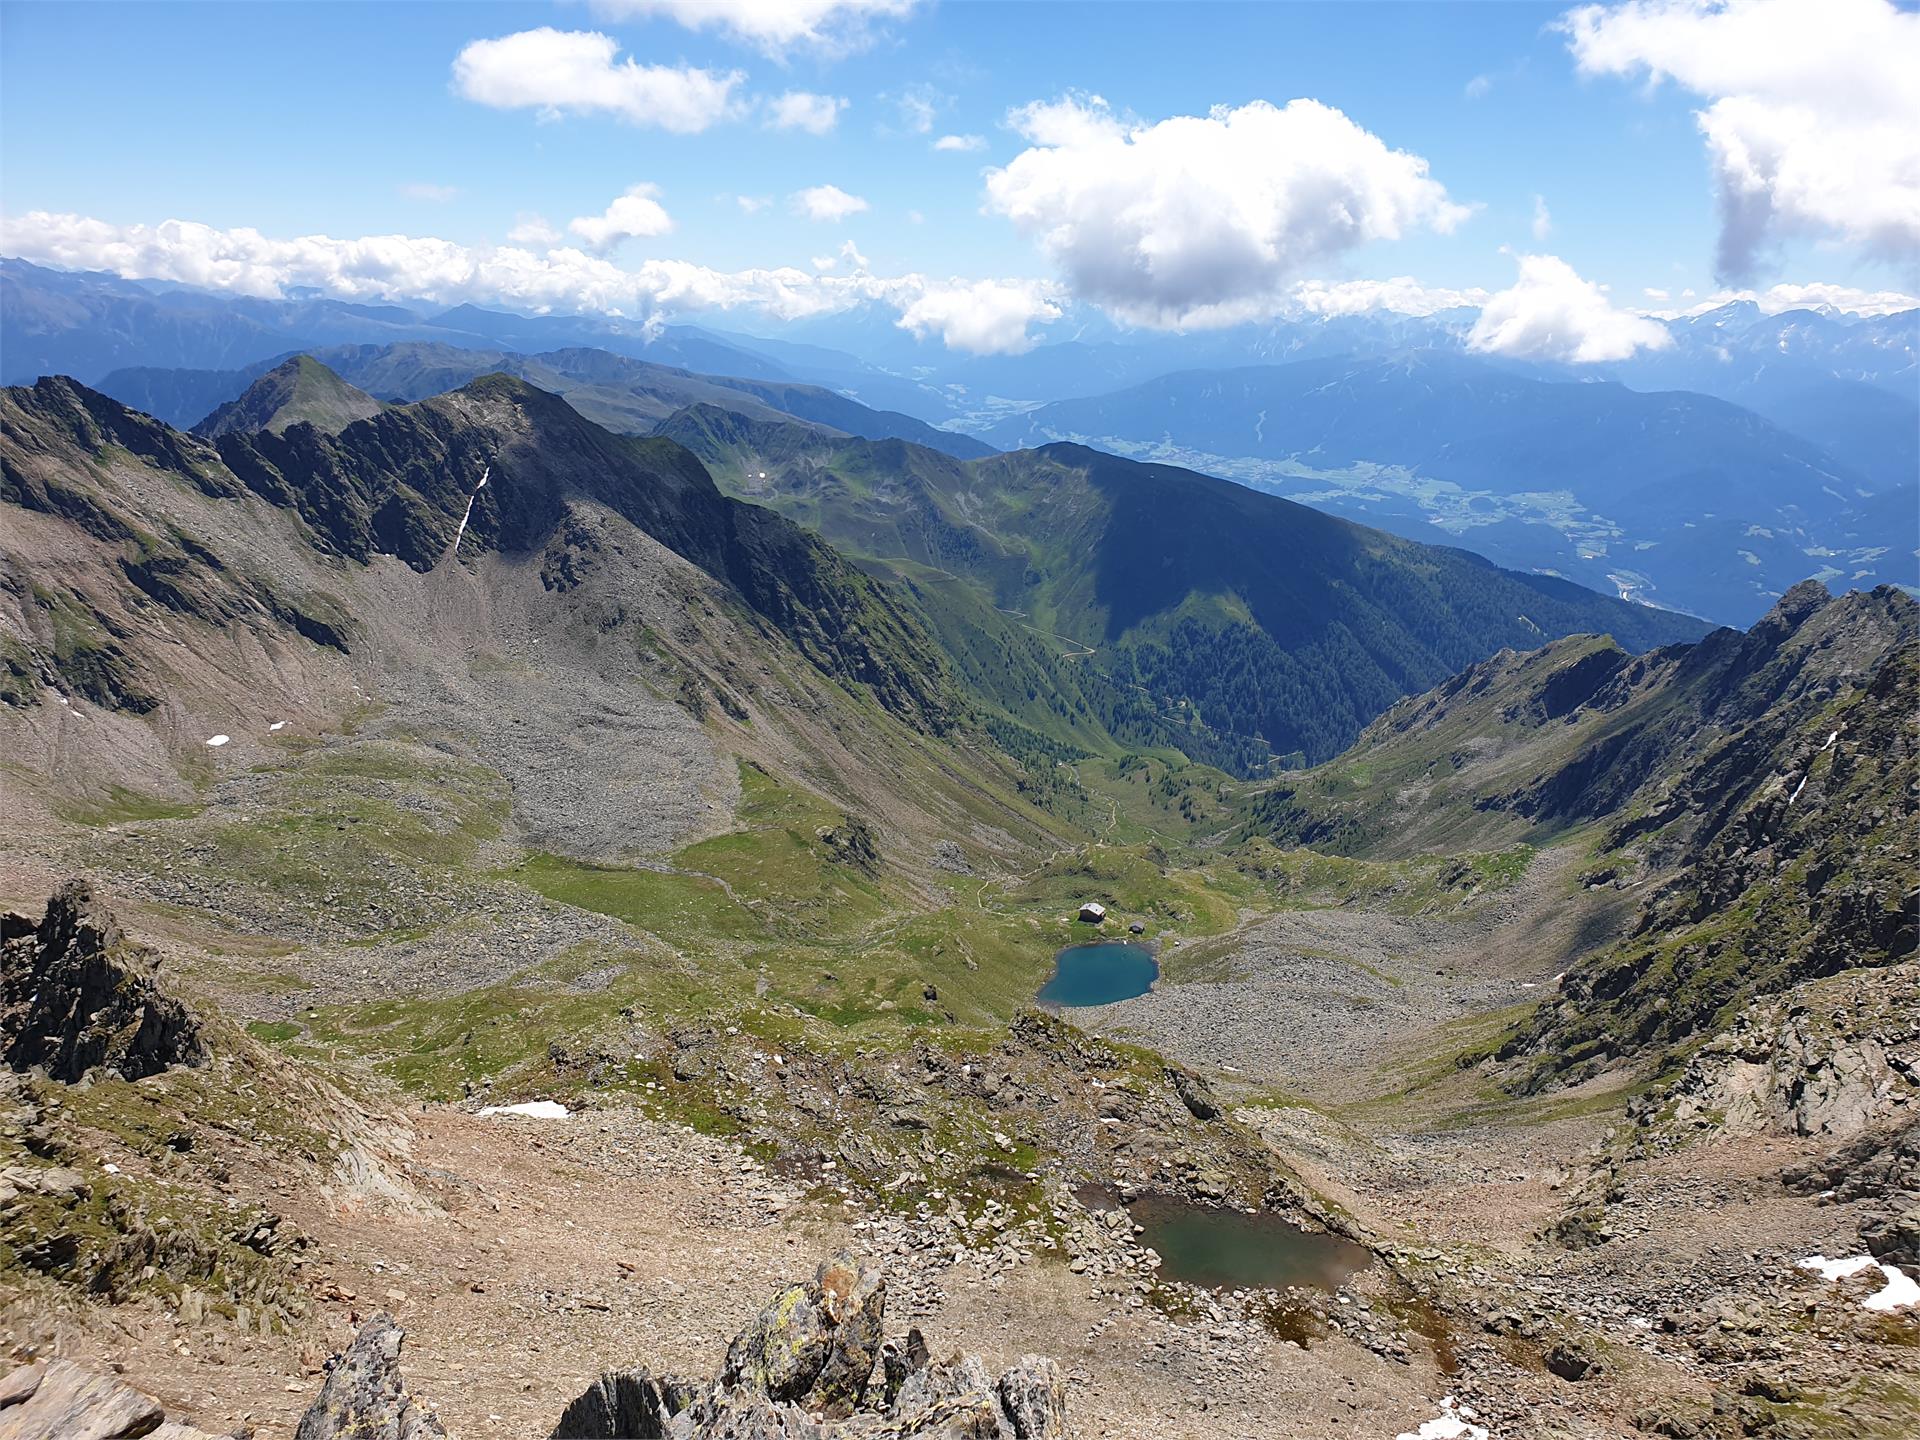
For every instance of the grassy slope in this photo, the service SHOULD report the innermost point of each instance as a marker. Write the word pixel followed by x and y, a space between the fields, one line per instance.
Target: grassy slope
pixel 1176 582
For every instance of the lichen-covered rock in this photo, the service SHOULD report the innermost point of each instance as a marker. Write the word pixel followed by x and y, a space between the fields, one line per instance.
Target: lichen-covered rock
pixel 76 994
pixel 817 1342
pixel 364 1397
pixel 1034 1395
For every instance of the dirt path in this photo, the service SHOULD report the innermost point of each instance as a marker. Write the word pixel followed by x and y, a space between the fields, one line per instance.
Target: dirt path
pixel 554 1249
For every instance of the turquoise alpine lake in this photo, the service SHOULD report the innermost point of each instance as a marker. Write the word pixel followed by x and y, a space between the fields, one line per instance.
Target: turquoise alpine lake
pixel 1100 974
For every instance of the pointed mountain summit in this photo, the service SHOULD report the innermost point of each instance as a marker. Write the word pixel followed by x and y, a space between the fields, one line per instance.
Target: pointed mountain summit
pixel 301 391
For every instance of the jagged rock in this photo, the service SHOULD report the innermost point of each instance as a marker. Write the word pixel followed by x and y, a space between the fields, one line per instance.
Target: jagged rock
pixel 624 1405
pixel 816 1342
pixel 1894 1238
pixel 364 1397
pixel 1834 1058
pixel 1571 1359
pixel 953 1398
pixel 800 1370
pixel 59 1400
pixel 76 994
pixel 1034 1395
pixel 901 1358
pixel 1873 1165
pixel 1194 1093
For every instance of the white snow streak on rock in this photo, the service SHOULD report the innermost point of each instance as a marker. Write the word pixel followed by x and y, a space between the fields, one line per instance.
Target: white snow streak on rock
pixel 217 741
pixel 278 724
pixel 468 513
pixel 532 1109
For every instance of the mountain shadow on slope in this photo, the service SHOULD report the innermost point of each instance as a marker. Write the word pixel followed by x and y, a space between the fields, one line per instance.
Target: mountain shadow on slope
pixel 1263 618
pixel 1754 795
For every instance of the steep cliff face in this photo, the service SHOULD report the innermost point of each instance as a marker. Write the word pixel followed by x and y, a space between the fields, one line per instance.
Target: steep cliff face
pixel 1781 846
pixel 75 993
pixel 407 482
pixel 404 482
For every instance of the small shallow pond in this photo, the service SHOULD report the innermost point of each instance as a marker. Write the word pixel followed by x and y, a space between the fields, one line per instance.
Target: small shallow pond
pixel 1100 974
pixel 1232 1250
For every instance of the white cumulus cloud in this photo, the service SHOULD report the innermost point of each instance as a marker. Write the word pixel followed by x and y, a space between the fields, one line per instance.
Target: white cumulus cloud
pixel 1817 295
pixel 985 317
pixel 1812 120
pixel 1200 220
pixel 803 110
pixel 978 315
pixel 635 215
pixel 577 72
pixel 832 27
pixel 961 144
pixel 531 230
pixel 827 202
pixel 1402 295
pixel 1552 313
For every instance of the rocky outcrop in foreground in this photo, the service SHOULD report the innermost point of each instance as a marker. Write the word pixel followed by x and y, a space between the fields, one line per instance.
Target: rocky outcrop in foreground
pixel 76 994
pixel 58 1400
pixel 812 1365
pixel 364 1397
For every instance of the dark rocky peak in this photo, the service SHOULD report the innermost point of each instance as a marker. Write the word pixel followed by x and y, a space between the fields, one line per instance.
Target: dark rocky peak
pixel 57 412
pixel 76 994
pixel 298 391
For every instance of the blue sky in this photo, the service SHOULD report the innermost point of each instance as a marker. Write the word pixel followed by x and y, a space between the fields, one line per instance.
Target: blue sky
pixel 345 120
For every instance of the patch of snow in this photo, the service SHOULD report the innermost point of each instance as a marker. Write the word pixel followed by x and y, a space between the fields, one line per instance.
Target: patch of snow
pixel 532 1109
pixel 111 1168
pixel 216 741
pixel 1900 1291
pixel 63 700
pixel 467 514
pixel 277 725
pixel 1797 789
pixel 1454 1422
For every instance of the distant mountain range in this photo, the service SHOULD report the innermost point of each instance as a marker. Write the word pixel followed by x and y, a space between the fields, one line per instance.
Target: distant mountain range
pixel 627 396
pixel 1751 452
pixel 1207 615
pixel 88 325
pixel 1676 497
